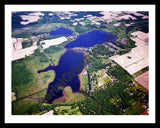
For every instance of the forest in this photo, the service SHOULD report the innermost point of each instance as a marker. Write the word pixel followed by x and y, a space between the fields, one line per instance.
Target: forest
pixel 119 73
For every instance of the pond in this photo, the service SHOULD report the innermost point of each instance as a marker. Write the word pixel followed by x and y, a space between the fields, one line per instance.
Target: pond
pixel 92 38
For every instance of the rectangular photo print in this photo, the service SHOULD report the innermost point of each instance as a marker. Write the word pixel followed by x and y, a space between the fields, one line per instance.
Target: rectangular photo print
pixel 79 62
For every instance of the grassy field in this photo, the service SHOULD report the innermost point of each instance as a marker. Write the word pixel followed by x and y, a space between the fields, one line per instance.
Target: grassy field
pixel 67 110
pixel 85 80
pixel 72 97
pixel 37 82
pixel 19 107
pixel 55 56
pixel 86 22
pixel 27 82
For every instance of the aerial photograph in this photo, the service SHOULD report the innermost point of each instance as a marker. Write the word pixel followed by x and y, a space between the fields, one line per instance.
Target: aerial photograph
pixel 79 62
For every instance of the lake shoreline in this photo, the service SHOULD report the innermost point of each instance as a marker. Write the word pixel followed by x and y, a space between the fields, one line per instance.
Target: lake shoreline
pixel 80 76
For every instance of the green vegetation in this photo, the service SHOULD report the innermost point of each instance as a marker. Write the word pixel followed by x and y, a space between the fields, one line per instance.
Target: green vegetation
pixel 120 93
pixel 110 92
pixel 113 100
pixel 103 78
pixel 29 82
pixel 110 109
pixel 122 32
pixel 72 97
pixel 20 75
pixel 25 79
pixel 36 108
pixel 20 107
pixel 103 98
pixel 67 110
pixel 135 109
pixel 22 35
pixel 101 49
pixel 81 29
pixel 130 43
pixel 139 25
pixel 119 73
pixel 89 107
pixel 124 102
pixel 85 79
pixel 26 43
pixel 53 49
pixel 86 22
pixel 95 64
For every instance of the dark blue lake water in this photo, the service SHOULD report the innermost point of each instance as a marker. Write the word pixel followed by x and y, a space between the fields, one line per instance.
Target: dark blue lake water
pixel 71 63
pixel 61 31
pixel 91 38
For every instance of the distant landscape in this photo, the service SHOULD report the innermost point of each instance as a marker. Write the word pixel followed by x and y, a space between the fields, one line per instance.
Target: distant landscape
pixel 80 63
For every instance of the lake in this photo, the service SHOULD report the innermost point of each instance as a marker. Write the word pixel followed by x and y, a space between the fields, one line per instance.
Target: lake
pixel 71 63
pixel 91 38
pixel 61 31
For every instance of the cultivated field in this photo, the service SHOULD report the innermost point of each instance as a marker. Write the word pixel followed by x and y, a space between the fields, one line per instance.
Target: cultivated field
pixel 116 15
pixel 32 17
pixel 51 42
pixel 138 57
pixel 23 52
pixel 143 79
